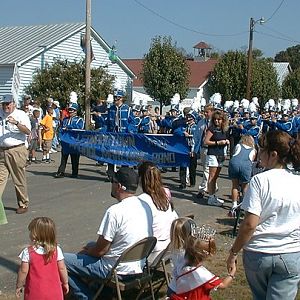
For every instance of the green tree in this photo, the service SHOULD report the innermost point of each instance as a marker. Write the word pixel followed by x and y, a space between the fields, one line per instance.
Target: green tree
pixel 264 81
pixel 291 85
pixel 290 55
pixel 62 77
pixel 165 71
pixel 230 77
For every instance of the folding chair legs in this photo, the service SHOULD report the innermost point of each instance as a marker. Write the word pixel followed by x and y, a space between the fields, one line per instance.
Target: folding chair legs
pixel 98 292
pixel 236 221
pixel 142 291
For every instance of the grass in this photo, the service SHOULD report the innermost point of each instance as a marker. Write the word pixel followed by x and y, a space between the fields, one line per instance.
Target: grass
pixel 239 290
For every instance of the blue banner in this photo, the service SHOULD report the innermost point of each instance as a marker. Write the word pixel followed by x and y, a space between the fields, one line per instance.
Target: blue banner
pixel 165 150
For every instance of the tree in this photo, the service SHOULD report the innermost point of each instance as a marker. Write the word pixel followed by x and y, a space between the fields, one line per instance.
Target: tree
pixel 290 55
pixel 264 81
pixel 291 85
pixel 165 71
pixel 230 77
pixel 62 77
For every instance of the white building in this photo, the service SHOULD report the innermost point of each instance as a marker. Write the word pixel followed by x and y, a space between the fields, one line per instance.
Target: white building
pixel 24 49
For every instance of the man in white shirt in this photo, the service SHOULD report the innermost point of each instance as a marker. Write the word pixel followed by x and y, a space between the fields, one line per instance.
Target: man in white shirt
pixel 14 128
pixel 123 224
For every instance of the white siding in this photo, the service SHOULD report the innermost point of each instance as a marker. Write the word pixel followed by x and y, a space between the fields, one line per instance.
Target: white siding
pixel 70 49
pixel 6 75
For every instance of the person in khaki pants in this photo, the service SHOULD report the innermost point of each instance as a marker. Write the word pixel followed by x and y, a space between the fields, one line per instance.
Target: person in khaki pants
pixel 14 126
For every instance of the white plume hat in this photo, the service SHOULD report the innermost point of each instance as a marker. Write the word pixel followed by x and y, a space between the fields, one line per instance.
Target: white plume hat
pixel 175 99
pixel 245 103
pixel 73 97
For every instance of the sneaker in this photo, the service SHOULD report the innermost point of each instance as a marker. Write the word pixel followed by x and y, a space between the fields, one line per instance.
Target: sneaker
pixel 21 210
pixel 59 175
pixel 214 201
pixel 52 151
pixel 232 212
pixel 200 195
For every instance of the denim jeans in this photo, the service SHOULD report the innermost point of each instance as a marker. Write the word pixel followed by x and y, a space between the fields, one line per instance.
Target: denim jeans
pixel 81 266
pixel 272 276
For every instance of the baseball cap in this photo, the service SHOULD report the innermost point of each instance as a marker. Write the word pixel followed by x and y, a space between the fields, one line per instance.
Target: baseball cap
pixel 192 114
pixel 119 93
pixel 56 103
pixel 128 178
pixel 73 105
pixel 136 107
pixel 174 107
pixel 7 98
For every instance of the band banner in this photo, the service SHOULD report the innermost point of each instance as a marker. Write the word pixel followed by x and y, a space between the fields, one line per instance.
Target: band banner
pixel 165 150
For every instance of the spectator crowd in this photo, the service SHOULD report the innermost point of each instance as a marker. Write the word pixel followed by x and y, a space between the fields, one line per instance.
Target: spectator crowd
pixel 251 138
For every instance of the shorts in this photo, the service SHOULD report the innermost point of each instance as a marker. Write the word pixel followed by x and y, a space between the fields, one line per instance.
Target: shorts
pixel 33 144
pixel 215 161
pixel 240 171
pixel 46 146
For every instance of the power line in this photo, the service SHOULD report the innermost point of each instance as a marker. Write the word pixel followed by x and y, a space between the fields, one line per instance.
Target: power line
pixel 280 33
pixel 277 37
pixel 184 27
pixel 275 11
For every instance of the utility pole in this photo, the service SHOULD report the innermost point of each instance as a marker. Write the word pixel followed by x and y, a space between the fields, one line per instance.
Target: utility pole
pixel 249 61
pixel 88 65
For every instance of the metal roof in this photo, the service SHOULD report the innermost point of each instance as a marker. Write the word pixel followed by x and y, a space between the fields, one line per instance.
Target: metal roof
pixel 20 43
pixel 282 69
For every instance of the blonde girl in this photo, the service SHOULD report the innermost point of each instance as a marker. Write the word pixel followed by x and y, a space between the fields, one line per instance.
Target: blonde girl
pixel 217 142
pixel 194 281
pixel 240 168
pixel 42 273
pixel 181 230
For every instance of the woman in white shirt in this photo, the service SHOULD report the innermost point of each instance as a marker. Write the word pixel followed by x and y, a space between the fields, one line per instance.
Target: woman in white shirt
pixel 158 198
pixel 270 231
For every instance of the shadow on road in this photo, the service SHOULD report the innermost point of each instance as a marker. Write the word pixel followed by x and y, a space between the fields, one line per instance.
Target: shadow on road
pixel 8 264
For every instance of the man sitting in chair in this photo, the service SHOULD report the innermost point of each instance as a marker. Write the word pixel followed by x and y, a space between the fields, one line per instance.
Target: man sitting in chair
pixel 123 224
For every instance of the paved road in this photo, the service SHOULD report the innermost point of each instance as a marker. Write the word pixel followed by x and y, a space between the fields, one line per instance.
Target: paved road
pixel 77 206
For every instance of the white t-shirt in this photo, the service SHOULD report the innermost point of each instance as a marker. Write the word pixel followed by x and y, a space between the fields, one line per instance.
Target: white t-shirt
pixel 24 255
pixel 124 224
pixel 238 149
pixel 162 221
pixel 10 135
pixel 274 197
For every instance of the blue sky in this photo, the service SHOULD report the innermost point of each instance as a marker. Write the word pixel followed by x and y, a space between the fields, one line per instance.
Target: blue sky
pixel 133 23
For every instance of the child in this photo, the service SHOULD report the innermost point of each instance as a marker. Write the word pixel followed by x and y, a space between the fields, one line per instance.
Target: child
pixel 34 135
pixel 194 281
pixel 240 168
pixel 181 229
pixel 47 134
pixel 42 271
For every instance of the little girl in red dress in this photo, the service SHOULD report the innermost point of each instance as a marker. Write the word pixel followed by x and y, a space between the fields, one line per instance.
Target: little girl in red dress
pixel 42 271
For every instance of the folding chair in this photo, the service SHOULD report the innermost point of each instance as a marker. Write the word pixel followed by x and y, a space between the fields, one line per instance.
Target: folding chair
pixel 137 252
pixel 237 216
pixel 161 270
